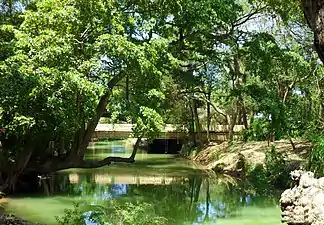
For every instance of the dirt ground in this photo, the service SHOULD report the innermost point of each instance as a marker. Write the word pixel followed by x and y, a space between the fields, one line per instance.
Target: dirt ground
pixel 254 152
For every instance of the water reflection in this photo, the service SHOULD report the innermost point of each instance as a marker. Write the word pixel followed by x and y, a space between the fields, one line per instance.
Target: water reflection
pixel 106 178
pixel 182 200
pixel 175 189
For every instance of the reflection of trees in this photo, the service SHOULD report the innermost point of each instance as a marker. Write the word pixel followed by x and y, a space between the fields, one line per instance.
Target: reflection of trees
pixel 176 201
pixel 221 197
pixel 207 200
pixel 184 200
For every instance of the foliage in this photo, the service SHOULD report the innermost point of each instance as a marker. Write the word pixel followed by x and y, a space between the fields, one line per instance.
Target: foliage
pixel 316 156
pixel 116 212
pixel 72 216
pixel 197 64
pixel 149 124
pixel 60 69
pixel 259 130
pixel 127 213
pixel 276 167
pixel 257 176
pixel 287 9
pixel 274 172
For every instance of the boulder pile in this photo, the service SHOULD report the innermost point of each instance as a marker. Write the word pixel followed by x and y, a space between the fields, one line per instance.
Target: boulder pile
pixel 303 204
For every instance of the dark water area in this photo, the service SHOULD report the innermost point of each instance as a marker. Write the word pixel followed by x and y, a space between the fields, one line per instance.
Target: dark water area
pixel 175 188
pixel 165 146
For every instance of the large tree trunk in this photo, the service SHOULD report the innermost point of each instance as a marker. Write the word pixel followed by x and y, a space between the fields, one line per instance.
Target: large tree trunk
pixel 232 122
pixel 192 125
pixel 16 168
pixel 91 126
pixel 314 14
pixel 244 117
pixel 196 117
pixel 208 116
pixel 28 162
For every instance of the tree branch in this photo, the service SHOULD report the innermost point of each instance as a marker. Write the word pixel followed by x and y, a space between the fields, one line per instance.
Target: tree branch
pixel 99 111
pixel 57 163
pixel 110 159
pixel 107 161
pixel 215 108
pixel 247 17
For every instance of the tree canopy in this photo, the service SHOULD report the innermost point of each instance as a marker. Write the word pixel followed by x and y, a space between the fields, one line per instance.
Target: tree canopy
pixel 66 63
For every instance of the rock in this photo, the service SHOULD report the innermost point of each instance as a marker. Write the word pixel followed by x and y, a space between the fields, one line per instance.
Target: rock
pixel 231 163
pixel 303 204
pixel 320 183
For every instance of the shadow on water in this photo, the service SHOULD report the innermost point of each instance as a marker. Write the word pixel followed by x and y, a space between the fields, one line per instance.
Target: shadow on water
pixel 173 188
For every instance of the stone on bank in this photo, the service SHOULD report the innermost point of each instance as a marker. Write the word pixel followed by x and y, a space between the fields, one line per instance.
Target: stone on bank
pixel 303 204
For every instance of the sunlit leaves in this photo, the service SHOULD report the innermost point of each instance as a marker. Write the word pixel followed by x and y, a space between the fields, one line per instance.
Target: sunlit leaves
pixel 149 123
pixel 6 41
pixel 289 10
pixel 68 52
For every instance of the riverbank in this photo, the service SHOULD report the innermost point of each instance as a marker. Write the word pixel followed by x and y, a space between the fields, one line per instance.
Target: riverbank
pixel 8 219
pixel 232 158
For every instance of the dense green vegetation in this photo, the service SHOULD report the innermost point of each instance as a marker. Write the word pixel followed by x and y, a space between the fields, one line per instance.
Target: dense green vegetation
pixel 274 174
pixel 64 64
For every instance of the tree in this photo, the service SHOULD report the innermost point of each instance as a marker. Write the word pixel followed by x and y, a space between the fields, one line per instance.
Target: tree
pixel 313 11
pixel 200 63
pixel 58 77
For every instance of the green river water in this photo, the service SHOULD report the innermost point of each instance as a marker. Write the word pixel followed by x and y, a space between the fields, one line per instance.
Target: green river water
pixel 176 188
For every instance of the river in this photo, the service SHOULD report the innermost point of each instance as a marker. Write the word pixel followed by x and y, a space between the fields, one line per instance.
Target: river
pixel 166 186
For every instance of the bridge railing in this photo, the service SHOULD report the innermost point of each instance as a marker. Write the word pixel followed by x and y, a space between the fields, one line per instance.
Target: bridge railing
pixel 168 128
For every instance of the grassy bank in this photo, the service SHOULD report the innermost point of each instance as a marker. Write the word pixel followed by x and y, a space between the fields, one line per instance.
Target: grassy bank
pixel 254 152
pixel 254 161
pixel 9 219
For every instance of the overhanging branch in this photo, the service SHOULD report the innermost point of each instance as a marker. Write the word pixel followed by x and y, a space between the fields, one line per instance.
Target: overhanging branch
pixel 110 159
pixel 104 162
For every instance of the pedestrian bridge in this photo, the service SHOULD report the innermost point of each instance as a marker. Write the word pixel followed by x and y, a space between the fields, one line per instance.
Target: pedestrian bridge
pixel 171 131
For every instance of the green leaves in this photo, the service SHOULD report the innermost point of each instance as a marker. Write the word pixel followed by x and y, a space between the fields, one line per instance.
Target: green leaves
pixel 6 41
pixel 316 156
pixel 289 10
pixel 149 123
pixel 20 125
pixel 67 54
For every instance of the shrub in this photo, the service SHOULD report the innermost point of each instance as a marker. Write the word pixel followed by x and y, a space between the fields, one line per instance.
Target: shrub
pixel 114 212
pixel 127 214
pixel 274 172
pixel 316 157
pixel 257 176
pixel 72 216
pixel 276 168
pixel 259 130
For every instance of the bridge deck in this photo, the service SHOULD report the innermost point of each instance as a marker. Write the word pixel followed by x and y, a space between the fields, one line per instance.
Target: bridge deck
pixel 115 131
